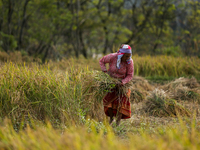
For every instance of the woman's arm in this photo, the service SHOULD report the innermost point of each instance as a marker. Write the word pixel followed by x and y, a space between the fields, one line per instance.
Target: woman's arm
pixel 106 59
pixel 129 74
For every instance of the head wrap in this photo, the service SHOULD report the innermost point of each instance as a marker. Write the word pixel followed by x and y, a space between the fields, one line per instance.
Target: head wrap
pixel 123 49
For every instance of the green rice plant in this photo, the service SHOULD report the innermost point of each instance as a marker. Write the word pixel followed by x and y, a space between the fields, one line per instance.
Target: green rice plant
pixel 41 93
pixel 193 95
pixel 166 66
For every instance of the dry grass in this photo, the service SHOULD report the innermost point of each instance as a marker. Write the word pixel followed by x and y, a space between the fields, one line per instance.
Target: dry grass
pixel 146 66
pixel 159 104
pixel 65 93
pixel 167 66
pixel 101 83
pixel 139 89
pixel 183 89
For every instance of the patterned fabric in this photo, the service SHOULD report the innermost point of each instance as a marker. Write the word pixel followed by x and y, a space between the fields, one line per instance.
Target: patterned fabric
pixel 120 55
pixel 118 104
pixel 123 49
pixel 125 72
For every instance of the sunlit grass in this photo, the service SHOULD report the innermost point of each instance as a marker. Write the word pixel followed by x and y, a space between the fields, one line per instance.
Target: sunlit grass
pixel 44 136
pixel 56 91
pixel 41 93
pixel 161 67
pixel 59 93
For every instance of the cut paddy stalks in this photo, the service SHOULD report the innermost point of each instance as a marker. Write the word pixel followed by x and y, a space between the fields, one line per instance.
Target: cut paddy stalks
pixel 139 89
pixel 159 104
pixel 102 83
pixel 183 89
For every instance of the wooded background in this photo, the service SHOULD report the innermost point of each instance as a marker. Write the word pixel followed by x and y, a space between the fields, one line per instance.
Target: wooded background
pixel 53 29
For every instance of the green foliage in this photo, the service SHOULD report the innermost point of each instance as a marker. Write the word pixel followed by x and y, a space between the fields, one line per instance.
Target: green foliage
pixel 171 51
pixel 43 27
pixel 8 40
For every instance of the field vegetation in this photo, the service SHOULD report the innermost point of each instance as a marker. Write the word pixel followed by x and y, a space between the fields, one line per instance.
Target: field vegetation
pixel 57 105
pixel 51 84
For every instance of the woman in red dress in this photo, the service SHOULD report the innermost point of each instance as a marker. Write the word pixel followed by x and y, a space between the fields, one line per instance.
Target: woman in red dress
pixel 120 66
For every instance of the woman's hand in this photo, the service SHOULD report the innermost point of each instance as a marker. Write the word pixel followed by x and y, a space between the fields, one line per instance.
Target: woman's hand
pixel 107 72
pixel 119 84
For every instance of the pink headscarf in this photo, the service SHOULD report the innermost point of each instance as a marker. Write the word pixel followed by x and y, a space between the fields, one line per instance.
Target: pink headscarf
pixel 123 49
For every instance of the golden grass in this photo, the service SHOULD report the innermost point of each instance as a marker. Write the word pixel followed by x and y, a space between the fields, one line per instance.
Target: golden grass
pixel 166 66
pixel 180 136
pixel 47 92
pixel 146 66
pixel 102 83
pixel 139 89
pixel 159 104
pixel 62 93
pixel 183 89
pixel 41 93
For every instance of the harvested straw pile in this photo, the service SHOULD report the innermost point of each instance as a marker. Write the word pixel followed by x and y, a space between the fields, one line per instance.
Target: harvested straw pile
pixel 106 83
pixel 158 104
pixel 183 89
pixel 186 82
pixel 139 89
pixel 101 83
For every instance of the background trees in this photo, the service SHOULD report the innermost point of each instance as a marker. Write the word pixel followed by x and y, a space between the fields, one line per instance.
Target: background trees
pixel 61 28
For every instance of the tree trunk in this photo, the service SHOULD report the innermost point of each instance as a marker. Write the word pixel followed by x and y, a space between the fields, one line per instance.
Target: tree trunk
pixel 84 51
pixel 22 25
pixel 10 12
pixel 77 42
pixel 106 40
pixel 46 54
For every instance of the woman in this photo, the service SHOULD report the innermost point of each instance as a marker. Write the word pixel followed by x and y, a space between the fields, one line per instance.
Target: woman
pixel 120 66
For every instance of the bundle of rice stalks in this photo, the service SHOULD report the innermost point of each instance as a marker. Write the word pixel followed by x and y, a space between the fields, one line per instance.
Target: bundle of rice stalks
pixel 139 89
pixel 158 104
pixel 190 83
pixel 185 93
pixel 183 89
pixel 100 83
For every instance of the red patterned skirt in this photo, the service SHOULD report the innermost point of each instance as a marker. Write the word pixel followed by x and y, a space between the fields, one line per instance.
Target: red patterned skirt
pixel 118 103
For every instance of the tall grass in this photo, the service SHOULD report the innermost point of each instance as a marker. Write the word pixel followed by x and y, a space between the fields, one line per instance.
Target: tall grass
pixel 45 137
pixel 42 94
pixel 151 66
pixel 163 66
pixel 59 91
pixel 166 66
